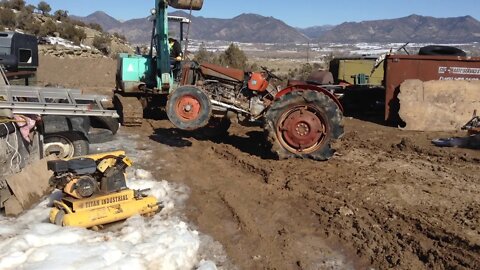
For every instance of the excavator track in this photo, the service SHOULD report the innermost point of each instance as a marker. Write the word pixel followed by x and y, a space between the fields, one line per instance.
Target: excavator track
pixel 130 110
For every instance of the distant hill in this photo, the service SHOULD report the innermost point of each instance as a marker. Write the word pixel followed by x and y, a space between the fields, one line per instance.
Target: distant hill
pixel 413 28
pixel 315 32
pixel 247 28
pixel 255 28
pixel 106 21
pixel 243 28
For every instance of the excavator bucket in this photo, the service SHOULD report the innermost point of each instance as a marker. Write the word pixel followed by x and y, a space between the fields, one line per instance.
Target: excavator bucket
pixel 186 4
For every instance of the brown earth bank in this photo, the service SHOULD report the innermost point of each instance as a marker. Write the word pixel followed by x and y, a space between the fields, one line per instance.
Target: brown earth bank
pixel 387 199
pixel 90 75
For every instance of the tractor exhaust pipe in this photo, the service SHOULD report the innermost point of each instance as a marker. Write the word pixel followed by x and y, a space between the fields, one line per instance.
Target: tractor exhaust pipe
pixel 228 106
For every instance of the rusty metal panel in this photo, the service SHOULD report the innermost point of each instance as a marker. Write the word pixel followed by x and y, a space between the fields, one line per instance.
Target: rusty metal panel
pixel 399 68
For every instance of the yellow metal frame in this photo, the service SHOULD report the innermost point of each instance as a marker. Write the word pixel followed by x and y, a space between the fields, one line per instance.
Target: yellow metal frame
pixel 102 155
pixel 100 210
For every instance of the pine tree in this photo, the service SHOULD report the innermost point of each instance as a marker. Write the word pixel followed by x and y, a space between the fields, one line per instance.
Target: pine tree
pixel 44 7
pixel 234 57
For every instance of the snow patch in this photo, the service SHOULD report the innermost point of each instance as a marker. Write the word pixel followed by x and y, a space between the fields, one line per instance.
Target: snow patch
pixel 164 241
pixel 65 43
pixel 161 242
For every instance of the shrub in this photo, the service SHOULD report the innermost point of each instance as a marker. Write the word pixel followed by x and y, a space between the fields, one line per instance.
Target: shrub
pixel 6 4
pixel 17 4
pixel 7 18
pixel 120 36
pixel 32 27
pixel 30 9
pixel 233 57
pixel 47 29
pixel 44 7
pixel 22 19
pixel 96 26
pixel 77 22
pixel 304 71
pixel 203 55
pixel 72 33
pixel 60 15
pixel 102 43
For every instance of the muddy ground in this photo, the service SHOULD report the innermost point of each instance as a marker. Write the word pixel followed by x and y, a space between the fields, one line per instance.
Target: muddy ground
pixel 388 198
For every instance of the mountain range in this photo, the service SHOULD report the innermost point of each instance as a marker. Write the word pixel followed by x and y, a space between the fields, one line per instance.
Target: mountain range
pixel 253 28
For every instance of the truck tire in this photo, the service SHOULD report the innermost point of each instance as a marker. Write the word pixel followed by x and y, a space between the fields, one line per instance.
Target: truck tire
pixel 189 108
pixel 303 124
pixel 109 123
pixel 100 135
pixel 65 145
pixel 441 50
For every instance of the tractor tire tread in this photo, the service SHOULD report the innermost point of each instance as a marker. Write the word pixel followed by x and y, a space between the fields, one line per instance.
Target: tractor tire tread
pixel 204 117
pixel 333 115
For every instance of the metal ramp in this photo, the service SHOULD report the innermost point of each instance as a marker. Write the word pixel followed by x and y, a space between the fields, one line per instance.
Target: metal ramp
pixel 50 100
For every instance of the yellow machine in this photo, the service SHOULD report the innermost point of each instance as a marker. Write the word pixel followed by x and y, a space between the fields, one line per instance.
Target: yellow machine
pixel 95 191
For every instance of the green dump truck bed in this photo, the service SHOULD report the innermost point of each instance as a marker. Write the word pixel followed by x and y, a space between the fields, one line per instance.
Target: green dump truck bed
pixel 356 70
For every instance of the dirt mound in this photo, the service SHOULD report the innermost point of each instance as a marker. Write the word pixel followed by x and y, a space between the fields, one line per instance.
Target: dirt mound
pixel 91 75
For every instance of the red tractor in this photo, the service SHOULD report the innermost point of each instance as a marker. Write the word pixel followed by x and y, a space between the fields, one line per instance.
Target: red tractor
pixel 300 120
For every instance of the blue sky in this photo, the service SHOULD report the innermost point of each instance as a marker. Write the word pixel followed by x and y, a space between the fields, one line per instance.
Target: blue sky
pixel 299 13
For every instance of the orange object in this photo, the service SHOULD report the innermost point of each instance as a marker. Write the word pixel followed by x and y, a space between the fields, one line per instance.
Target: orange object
pixel 257 82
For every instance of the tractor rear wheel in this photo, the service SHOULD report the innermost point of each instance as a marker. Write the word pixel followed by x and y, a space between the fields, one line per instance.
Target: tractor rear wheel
pixel 189 108
pixel 303 124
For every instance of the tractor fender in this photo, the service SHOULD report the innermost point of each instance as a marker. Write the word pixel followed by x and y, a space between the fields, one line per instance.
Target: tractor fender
pixel 303 87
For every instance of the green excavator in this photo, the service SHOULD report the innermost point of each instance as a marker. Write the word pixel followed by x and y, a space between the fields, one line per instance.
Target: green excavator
pixel 145 80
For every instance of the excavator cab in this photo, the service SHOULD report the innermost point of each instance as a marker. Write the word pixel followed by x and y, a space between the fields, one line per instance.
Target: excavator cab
pixel 155 71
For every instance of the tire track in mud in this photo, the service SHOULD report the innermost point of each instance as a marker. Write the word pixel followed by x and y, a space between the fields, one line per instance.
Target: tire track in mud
pixel 388 199
pixel 415 235
pixel 386 235
pixel 283 234
pixel 449 248
pixel 234 158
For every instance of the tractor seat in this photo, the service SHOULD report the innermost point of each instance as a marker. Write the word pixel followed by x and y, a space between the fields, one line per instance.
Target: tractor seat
pixel 232 74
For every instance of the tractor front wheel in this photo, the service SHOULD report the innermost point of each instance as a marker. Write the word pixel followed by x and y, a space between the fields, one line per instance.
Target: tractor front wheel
pixel 189 108
pixel 303 124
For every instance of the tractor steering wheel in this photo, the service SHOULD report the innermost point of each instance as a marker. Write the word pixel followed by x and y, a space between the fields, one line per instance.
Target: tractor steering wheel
pixel 270 74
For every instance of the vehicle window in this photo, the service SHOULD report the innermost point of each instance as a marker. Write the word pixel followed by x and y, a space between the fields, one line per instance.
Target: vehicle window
pixel 25 56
